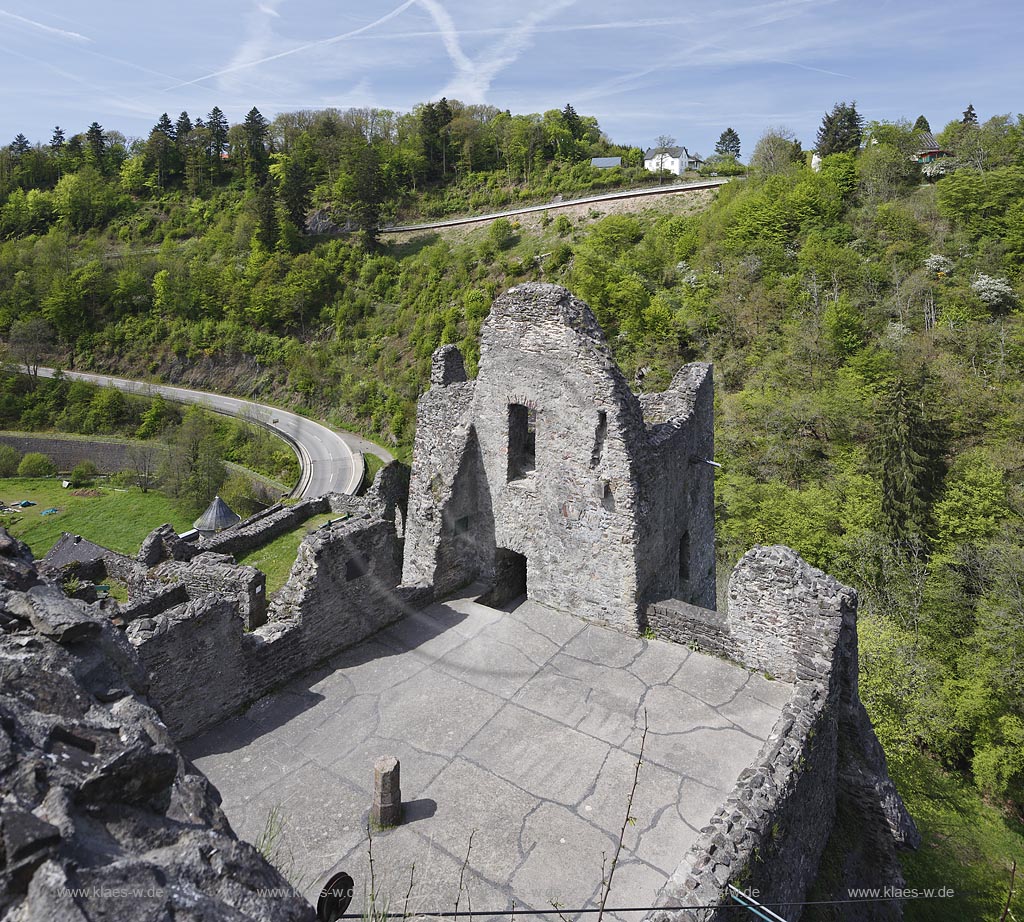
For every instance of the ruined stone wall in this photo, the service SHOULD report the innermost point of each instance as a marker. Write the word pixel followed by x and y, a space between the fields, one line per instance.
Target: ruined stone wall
pixel 602 495
pixel 94 795
pixel 204 665
pixel 676 543
pixel 208 573
pixel 794 621
pixel 262 528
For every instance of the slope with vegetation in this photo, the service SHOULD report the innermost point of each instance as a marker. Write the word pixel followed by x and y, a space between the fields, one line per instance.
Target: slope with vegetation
pixel 864 321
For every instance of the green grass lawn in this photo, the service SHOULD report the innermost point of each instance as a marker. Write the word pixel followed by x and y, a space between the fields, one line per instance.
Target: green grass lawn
pixel 276 558
pixel 119 519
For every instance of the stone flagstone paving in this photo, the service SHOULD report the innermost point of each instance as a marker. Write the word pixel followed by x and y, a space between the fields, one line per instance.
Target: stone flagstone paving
pixel 521 728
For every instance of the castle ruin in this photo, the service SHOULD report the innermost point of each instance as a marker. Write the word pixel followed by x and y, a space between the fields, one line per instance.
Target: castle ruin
pixel 544 477
pixel 547 477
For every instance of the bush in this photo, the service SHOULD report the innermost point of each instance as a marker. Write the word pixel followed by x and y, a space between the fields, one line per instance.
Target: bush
pixel 502 233
pixel 84 474
pixel 35 464
pixel 9 459
pixel 562 225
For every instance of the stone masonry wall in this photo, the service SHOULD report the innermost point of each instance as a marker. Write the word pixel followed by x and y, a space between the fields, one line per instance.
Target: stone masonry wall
pixel 604 493
pixel 343 587
pixel 109 457
pixel 790 619
pixel 208 573
pixel 262 528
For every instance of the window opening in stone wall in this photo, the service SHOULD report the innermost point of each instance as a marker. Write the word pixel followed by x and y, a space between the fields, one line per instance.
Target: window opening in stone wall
pixel 684 558
pixel 602 431
pixel 356 567
pixel 522 441
pixel 608 498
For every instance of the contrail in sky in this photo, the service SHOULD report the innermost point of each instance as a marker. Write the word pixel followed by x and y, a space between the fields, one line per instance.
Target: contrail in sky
pixel 284 54
pixel 75 36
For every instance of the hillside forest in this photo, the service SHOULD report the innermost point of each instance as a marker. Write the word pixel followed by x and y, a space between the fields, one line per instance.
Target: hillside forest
pixel 863 317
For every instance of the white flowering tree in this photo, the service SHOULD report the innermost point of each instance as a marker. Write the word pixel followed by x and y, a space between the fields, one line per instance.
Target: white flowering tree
pixel 996 293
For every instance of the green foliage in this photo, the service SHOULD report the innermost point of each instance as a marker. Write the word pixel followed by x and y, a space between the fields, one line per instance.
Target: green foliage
pixel 728 144
pixel 36 464
pixel 84 474
pixel 9 461
pixel 501 233
pixel 194 468
pixel 841 130
pixel 909 455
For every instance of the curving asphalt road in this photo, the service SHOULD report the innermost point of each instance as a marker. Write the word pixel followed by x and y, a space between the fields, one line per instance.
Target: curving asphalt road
pixel 332 462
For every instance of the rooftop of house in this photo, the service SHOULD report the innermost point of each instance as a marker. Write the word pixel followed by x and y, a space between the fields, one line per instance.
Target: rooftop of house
pixel 73 549
pixel 653 152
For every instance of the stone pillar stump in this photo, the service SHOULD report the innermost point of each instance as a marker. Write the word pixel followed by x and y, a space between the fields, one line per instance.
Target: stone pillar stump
pixel 387 792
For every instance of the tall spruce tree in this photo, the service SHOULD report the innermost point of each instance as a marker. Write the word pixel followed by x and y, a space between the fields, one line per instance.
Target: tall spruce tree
pixel 257 157
pixel 922 124
pixel 970 116
pixel 909 452
pixel 572 122
pixel 96 146
pixel 728 144
pixel 841 130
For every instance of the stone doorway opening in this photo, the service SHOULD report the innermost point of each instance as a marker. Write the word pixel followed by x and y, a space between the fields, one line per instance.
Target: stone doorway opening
pixel 509 579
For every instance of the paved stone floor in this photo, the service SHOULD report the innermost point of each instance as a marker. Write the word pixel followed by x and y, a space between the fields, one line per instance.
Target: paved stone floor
pixel 519 729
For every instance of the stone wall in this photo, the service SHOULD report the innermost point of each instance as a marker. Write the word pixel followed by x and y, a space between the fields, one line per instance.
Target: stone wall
pixel 109 457
pixel 791 620
pixel 263 527
pixel 94 794
pixel 549 455
pixel 344 586
pixel 216 573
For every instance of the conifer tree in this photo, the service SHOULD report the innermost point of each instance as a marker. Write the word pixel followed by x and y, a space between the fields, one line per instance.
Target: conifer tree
pixel 257 157
pixel 970 116
pixel 908 452
pixel 96 143
pixel 841 130
pixel 728 144
pixel 922 124
pixel 572 122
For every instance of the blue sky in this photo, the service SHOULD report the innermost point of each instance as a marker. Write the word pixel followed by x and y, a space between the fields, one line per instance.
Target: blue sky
pixel 686 70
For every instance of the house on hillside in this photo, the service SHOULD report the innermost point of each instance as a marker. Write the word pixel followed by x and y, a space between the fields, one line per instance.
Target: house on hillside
pixel 676 160
pixel 928 149
pixel 605 163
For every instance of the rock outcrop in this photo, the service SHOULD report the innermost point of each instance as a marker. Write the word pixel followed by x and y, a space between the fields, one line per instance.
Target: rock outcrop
pixel 101 817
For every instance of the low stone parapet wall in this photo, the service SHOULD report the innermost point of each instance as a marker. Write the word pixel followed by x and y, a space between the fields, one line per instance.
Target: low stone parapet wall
pixel 789 619
pixel 343 587
pixel 691 626
pixel 208 573
pixel 263 528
